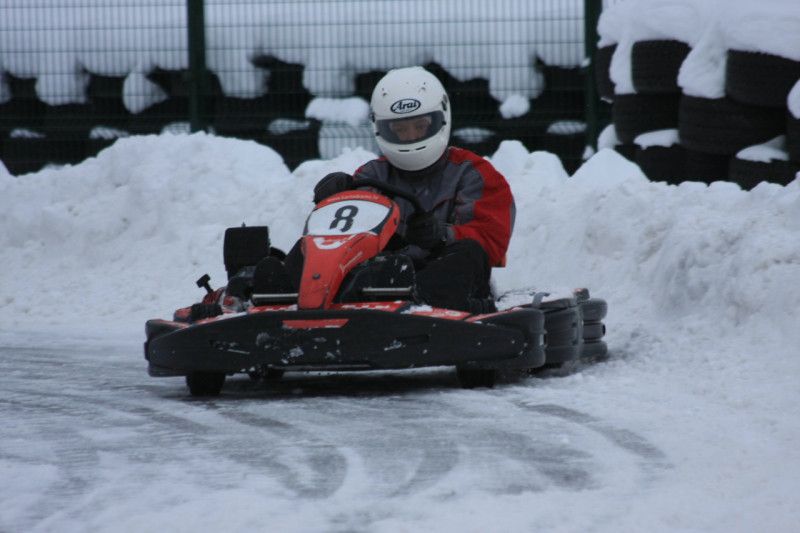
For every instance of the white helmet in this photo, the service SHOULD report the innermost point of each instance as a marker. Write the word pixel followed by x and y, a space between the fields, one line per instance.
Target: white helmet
pixel 410 115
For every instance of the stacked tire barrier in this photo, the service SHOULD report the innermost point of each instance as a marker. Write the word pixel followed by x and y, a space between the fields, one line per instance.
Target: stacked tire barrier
pixel 33 134
pixel 284 74
pixel 677 129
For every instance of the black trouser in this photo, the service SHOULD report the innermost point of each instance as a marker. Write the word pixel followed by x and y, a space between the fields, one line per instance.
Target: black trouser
pixel 460 273
pixel 452 279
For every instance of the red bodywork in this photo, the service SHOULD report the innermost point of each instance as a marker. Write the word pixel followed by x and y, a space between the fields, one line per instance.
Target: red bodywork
pixel 330 256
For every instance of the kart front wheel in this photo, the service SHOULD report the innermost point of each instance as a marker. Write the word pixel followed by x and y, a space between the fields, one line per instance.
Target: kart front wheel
pixel 205 383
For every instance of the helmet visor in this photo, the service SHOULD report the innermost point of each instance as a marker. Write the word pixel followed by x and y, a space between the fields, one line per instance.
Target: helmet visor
pixel 409 130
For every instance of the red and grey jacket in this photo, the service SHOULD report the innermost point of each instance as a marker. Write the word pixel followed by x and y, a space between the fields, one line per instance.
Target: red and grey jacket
pixel 464 190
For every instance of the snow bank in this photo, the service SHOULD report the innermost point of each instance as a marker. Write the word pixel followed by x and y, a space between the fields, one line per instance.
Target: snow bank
pixel 702 287
pixel 121 238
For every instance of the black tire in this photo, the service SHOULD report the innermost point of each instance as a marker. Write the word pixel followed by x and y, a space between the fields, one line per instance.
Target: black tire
pixel 474 377
pixel 563 323
pixel 602 67
pixel 723 126
pixel 706 168
pixel 655 65
pixel 205 383
pixel 594 309
pixel 627 150
pixel 748 173
pixel 569 148
pixel 634 114
pixel 593 331
pixel 545 368
pixel 662 163
pixel 760 79
pixel 594 350
pixel 793 137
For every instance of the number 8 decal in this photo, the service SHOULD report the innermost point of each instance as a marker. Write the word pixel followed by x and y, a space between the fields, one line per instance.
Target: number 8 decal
pixel 344 214
pixel 347 217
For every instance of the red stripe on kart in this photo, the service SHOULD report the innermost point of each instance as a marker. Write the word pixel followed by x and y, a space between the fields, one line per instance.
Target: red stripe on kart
pixel 374 306
pixel 437 312
pixel 316 323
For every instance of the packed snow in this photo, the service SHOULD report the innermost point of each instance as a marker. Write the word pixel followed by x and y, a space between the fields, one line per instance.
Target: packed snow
pixel 702 284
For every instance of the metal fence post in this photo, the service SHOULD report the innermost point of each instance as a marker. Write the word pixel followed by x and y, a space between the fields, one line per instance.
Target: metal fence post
pixel 198 76
pixel 592 9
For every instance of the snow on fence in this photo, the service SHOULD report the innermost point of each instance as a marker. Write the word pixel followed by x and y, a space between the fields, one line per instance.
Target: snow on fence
pixel 116 67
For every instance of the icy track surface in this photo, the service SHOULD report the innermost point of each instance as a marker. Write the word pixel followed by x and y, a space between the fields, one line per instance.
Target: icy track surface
pixel 92 442
pixel 689 426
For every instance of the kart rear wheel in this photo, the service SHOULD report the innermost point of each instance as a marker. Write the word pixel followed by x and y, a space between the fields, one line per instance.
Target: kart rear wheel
pixel 205 383
pixel 473 378
pixel 594 309
pixel 596 350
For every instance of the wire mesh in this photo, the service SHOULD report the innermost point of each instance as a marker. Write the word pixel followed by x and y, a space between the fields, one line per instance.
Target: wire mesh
pixel 295 75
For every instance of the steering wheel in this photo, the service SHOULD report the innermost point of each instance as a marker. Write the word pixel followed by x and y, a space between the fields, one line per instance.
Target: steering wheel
pixel 389 191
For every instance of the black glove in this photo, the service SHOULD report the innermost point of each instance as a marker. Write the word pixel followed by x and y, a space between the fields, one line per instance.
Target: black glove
pixel 426 231
pixel 331 184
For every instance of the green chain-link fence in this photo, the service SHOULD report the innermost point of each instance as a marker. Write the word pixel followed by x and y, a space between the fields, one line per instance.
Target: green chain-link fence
pixel 292 74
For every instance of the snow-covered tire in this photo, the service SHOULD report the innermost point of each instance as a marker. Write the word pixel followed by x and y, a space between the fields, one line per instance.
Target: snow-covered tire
pixel 487 145
pixel 569 148
pixel 662 163
pixel 297 145
pixel 634 114
pixel 760 79
pixel 23 155
pixel 747 174
pixel 602 68
pixel 705 167
pixel 793 137
pixel 243 117
pixel 153 119
pixel 627 150
pixel 205 383
pixel 724 126
pixel 25 109
pixel 655 65
pixel 68 121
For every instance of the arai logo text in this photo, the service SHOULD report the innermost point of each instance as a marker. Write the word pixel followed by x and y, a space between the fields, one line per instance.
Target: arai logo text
pixel 405 106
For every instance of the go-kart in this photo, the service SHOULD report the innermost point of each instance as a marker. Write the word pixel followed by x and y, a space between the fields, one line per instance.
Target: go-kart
pixel 357 308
